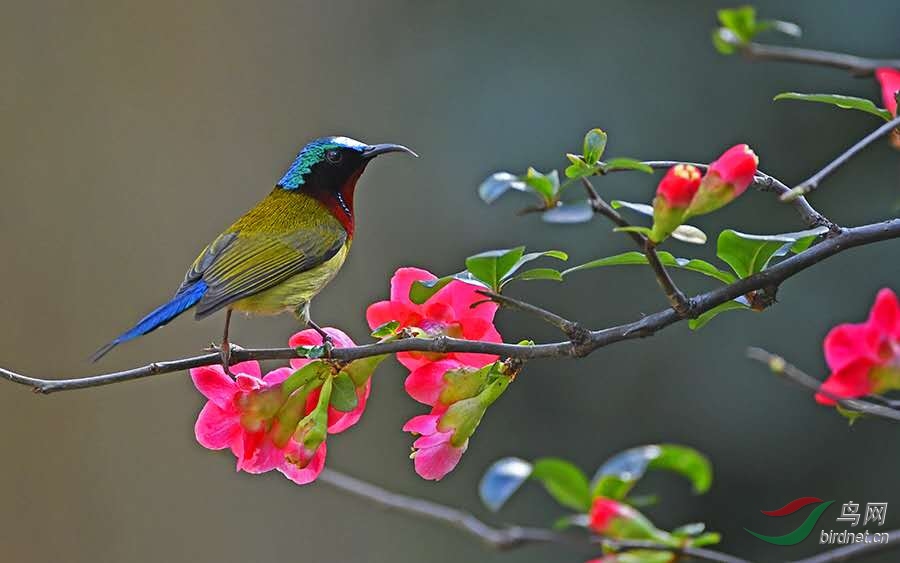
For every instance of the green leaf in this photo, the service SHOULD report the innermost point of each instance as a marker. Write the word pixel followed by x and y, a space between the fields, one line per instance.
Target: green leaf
pixel 643 230
pixel 689 234
pixel 531 256
pixel 626 164
pixel 709 538
pixel 843 102
pixel 641 208
pixel 302 376
pixel 579 168
pixel 343 393
pixel 580 212
pixel 748 254
pixel 387 329
pixel 636 258
pixel 545 185
pixel 689 530
pixel 498 184
pixel 619 473
pixel 741 21
pixel 490 267
pixel 538 274
pixel 361 370
pixel 700 321
pixel 564 481
pixel 310 352
pixel 594 145
pixel 720 41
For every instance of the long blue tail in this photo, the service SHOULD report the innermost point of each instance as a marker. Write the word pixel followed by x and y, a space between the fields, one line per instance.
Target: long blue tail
pixel 183 300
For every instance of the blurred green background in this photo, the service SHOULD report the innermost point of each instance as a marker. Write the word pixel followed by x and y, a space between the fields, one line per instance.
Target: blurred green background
pixel 132 134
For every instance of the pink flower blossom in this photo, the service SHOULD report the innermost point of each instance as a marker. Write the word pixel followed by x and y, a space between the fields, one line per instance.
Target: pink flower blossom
pixel 449 312
pixel 434 455
pixel 864 357
pixel 337 421
pixel 239 415
pixel 889 78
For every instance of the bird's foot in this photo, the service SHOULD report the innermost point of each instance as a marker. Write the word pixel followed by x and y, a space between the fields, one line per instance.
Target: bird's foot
pixel 225 351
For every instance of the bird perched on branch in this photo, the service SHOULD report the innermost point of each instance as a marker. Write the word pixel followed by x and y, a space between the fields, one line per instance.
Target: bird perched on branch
pixel 281 253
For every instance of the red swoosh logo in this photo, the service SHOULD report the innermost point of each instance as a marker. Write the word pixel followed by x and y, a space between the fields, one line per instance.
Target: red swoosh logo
pixel 792 506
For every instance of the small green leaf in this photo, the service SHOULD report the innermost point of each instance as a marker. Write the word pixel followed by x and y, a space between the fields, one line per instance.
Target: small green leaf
pixel 387 329
pixel 689 234
pixel 643 230
pixel 700 321
pixel 741 21
pixel 641 208
pixel 851 415
pixel 843 102
pixel 689 530
pixel 310 352
pixel 498 184
pixel 539 274
pixel 531 256
pixel 620 472
pixel 594 145
pixel 580 212
pixel 564 481
pixel 636 258
pixel 361 370
pixel 545 185
pixel 720 40
pixel 709 538
pixel 579 168
pixel 748 254
pixel 626 164
pixel 343 393
pixel 490 267
pixel 787 28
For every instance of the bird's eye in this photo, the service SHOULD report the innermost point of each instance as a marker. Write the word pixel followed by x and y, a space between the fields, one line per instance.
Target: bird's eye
pixel 333 156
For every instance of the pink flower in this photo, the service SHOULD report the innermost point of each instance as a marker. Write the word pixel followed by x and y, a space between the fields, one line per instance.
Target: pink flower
pixel 434 455
pixel 426 383
pixel 449 312
pixel 337 421
pixel 604 512
pixel 889 78
pixel 618 520
pixel 239 415
pixel 864 357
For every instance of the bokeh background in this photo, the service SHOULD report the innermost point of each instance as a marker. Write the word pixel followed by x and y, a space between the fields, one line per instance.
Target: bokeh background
pixel 132 134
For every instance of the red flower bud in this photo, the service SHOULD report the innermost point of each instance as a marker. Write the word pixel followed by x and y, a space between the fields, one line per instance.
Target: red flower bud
pixel 618 520
pixel 727 178
pixel 679 185
pixel 889 79
pixel 673 197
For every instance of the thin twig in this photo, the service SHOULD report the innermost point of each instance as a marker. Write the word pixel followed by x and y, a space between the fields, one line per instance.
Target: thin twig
pixel 854 551
pixel 813 181
pixel 778 365
pixel 573 331
pixel 511 537
pixel 646 326
pixel 858 66
pixel 676 298
pixel 499 538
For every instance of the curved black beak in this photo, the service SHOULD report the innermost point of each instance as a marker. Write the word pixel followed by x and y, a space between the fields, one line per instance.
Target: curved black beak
pixel 372 151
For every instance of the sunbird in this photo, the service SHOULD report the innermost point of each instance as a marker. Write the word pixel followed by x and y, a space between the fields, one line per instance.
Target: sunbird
pixel 281 253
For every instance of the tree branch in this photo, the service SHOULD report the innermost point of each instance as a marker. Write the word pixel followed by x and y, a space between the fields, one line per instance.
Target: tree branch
pixel 858 66
pixel 646 326
pixel 813 181
pixel 778 365
pixel 511 537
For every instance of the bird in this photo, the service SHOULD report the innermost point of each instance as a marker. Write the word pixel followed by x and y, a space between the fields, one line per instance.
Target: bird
pixel 281 253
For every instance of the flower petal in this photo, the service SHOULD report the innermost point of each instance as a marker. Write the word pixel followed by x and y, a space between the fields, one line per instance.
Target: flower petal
pixel 311 337
pixel 307 474
pixel 250 367
pixel 217 429
pixel 848 343
pixel 277 376
pixel 214 384
pixel 402 281
pixel 885 314
pixel 426 382
pixel 461 296
pixel 849 383
pixel 424 424
pixel 434 463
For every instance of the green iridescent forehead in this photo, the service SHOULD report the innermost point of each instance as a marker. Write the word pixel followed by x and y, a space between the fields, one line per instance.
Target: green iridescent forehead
pixel 311 154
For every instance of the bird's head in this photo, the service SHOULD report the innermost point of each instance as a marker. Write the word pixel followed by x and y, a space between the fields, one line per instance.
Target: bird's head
pixel 328 168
